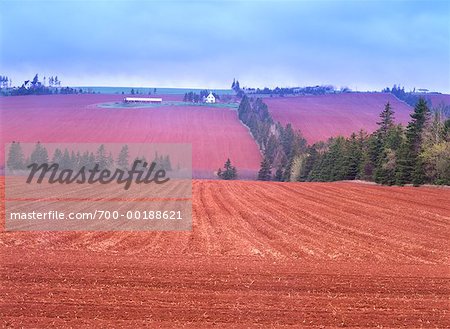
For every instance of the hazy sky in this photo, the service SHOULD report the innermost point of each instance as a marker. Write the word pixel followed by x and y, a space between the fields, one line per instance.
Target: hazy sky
pixel 360 44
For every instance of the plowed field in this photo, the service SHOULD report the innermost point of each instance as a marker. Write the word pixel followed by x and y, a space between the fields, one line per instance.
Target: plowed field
pixel 439 99
pixel 314 255
pixel 325 116
pixel 215 133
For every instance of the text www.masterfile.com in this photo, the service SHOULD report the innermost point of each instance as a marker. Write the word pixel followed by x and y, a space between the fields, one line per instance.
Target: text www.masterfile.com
pixel 99 215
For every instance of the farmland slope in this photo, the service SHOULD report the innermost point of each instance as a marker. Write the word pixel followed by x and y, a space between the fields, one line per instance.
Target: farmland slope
pixel 215 133
pixel 325 116
pixel 260 254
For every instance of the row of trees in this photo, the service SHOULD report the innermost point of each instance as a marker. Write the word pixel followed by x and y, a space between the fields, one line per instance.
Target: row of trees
pixel 137 91
pixel 36 87
pixel 417 154
pixel 413 97
pixel 281 146
pixel 75 160
pixel 399 92
pixel 309 90
pixel 193 97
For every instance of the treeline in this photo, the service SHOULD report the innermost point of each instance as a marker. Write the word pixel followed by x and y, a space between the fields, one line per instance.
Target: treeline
pixel 411 98
pixel 137 91
pixel 310 90
pixel 36 87
pixel 193 97
pixel 5 82
pixel 392 155
pixel 281 146
pixel 72 160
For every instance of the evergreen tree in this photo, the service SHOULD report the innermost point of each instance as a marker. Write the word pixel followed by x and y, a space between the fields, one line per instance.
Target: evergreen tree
pixel 143 160
pixel 65 161
pixel 244 109
pixel 372 149
pixel 279 174
pixel 265 172
pixel 91 161
pixel 311 158
pixel 84 160
pixel 387 145
pixel 39 154
pixel 57 156
pixel 404 165
pixel 101 158
pixel 410 167
pixel 122 159
pixel 229 172
pixel 353 157
pixel 387 120
pixel 109 160
pixel 271 149
pixel 78 160
pixel 167 165
pixel 73 161
pixel 35 80
pixel 16 159
pixel 418 175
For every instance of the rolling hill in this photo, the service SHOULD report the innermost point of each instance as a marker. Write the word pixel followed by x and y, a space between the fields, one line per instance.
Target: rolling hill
pixel 324 116
pixel 215 133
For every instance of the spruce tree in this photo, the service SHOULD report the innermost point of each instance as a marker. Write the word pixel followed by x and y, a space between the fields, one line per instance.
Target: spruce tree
pixel 312 157
pixel 167 164
pixel 371 150
pixel 382 173
pixel 16 159
pixel 265 172
pixel 57 156
pixel 65 161
pixel 353 157
pixel 229 172
pixel 39 154
pixel 410 167
pixel 109 161
pixel 387 120
pixel 122 159
pixel 101 158
pixel 91 161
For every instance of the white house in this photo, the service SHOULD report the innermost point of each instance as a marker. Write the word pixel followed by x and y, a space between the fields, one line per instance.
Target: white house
pixel 142 100
pixel 210 98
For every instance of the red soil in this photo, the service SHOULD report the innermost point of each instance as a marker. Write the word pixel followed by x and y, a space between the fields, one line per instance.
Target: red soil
pixel 439 99
pixel 325 116
pixel 317 255
pixel 215 133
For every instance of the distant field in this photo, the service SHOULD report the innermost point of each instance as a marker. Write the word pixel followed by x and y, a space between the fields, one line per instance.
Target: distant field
pixel 325 116
pixel 439 99
pixel 215 133
pixel 261 254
